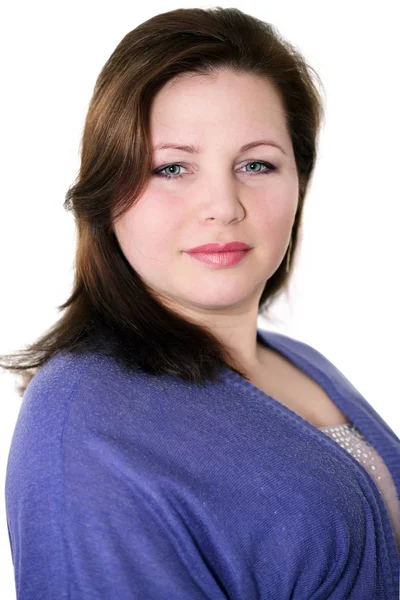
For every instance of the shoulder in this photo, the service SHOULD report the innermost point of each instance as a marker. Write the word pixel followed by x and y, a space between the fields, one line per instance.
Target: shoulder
pixel 312 358
pixel 292 345
pixel 73 400
pixel 77 409
pixel 67 375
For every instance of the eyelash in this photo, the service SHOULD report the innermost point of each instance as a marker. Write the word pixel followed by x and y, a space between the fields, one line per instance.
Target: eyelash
pixel 269 169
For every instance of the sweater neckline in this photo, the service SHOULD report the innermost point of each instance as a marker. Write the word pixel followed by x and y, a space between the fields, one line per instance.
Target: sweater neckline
pixel 358 414
pixel 269 340
pixel 348 400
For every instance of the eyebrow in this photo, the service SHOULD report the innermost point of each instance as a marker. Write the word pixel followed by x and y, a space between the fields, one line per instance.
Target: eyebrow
pixel 196 150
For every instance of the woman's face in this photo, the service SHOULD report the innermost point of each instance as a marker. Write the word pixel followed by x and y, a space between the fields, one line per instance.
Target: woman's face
pixel 214 195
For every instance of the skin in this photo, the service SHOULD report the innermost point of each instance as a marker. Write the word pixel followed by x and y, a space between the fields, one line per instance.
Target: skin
pixel 218 199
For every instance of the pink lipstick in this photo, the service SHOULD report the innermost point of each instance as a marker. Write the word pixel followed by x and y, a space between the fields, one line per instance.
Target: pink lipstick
pixel 220 255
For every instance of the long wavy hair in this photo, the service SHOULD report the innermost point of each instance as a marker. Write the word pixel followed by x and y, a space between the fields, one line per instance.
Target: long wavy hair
pixel 110 308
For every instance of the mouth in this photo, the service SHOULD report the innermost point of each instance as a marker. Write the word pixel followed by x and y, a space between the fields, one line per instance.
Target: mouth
pixel 221 259
pixel 213 247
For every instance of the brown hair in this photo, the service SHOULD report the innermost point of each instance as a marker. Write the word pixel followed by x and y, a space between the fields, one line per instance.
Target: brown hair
pixel 110 308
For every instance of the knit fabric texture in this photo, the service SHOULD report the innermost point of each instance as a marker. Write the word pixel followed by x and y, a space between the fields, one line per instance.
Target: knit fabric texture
pixel 122 485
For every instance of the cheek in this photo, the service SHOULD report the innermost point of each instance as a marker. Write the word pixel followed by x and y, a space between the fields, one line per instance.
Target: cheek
pixel 147 228
pixel 276 207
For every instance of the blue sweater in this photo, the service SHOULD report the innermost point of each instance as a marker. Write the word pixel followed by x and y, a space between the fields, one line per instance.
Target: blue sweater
pixel 122 485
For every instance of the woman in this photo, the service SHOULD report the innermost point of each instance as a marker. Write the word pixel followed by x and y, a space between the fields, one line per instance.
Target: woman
pixel 166 447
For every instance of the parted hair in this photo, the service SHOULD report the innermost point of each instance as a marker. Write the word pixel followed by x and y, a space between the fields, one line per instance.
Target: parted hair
pixel 110 308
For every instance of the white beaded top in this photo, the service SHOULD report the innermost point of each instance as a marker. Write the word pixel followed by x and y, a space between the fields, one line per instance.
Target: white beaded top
pixel 352 440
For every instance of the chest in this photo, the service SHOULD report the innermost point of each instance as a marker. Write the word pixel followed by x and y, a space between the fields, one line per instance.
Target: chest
pixel 290 386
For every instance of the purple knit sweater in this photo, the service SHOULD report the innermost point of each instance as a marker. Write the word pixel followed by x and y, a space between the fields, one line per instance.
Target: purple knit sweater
pixel 121 485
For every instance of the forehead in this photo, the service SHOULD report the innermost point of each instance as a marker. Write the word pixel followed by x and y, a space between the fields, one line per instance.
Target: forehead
pixel 225 103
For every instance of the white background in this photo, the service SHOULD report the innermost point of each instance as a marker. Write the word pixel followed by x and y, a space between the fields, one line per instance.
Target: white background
pixel 345 292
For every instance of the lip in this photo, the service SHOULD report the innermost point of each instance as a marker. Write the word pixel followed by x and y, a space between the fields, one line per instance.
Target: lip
pixel 218 260
pixel 214 248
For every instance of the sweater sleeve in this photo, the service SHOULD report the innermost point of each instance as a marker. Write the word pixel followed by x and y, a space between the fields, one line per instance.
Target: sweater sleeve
pixel 84 522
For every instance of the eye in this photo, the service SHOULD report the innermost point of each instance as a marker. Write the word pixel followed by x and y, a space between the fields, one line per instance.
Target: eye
pixel 268 169
pixel 160 173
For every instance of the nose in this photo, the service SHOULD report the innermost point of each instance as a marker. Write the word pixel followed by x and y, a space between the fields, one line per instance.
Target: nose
pixel 222 200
